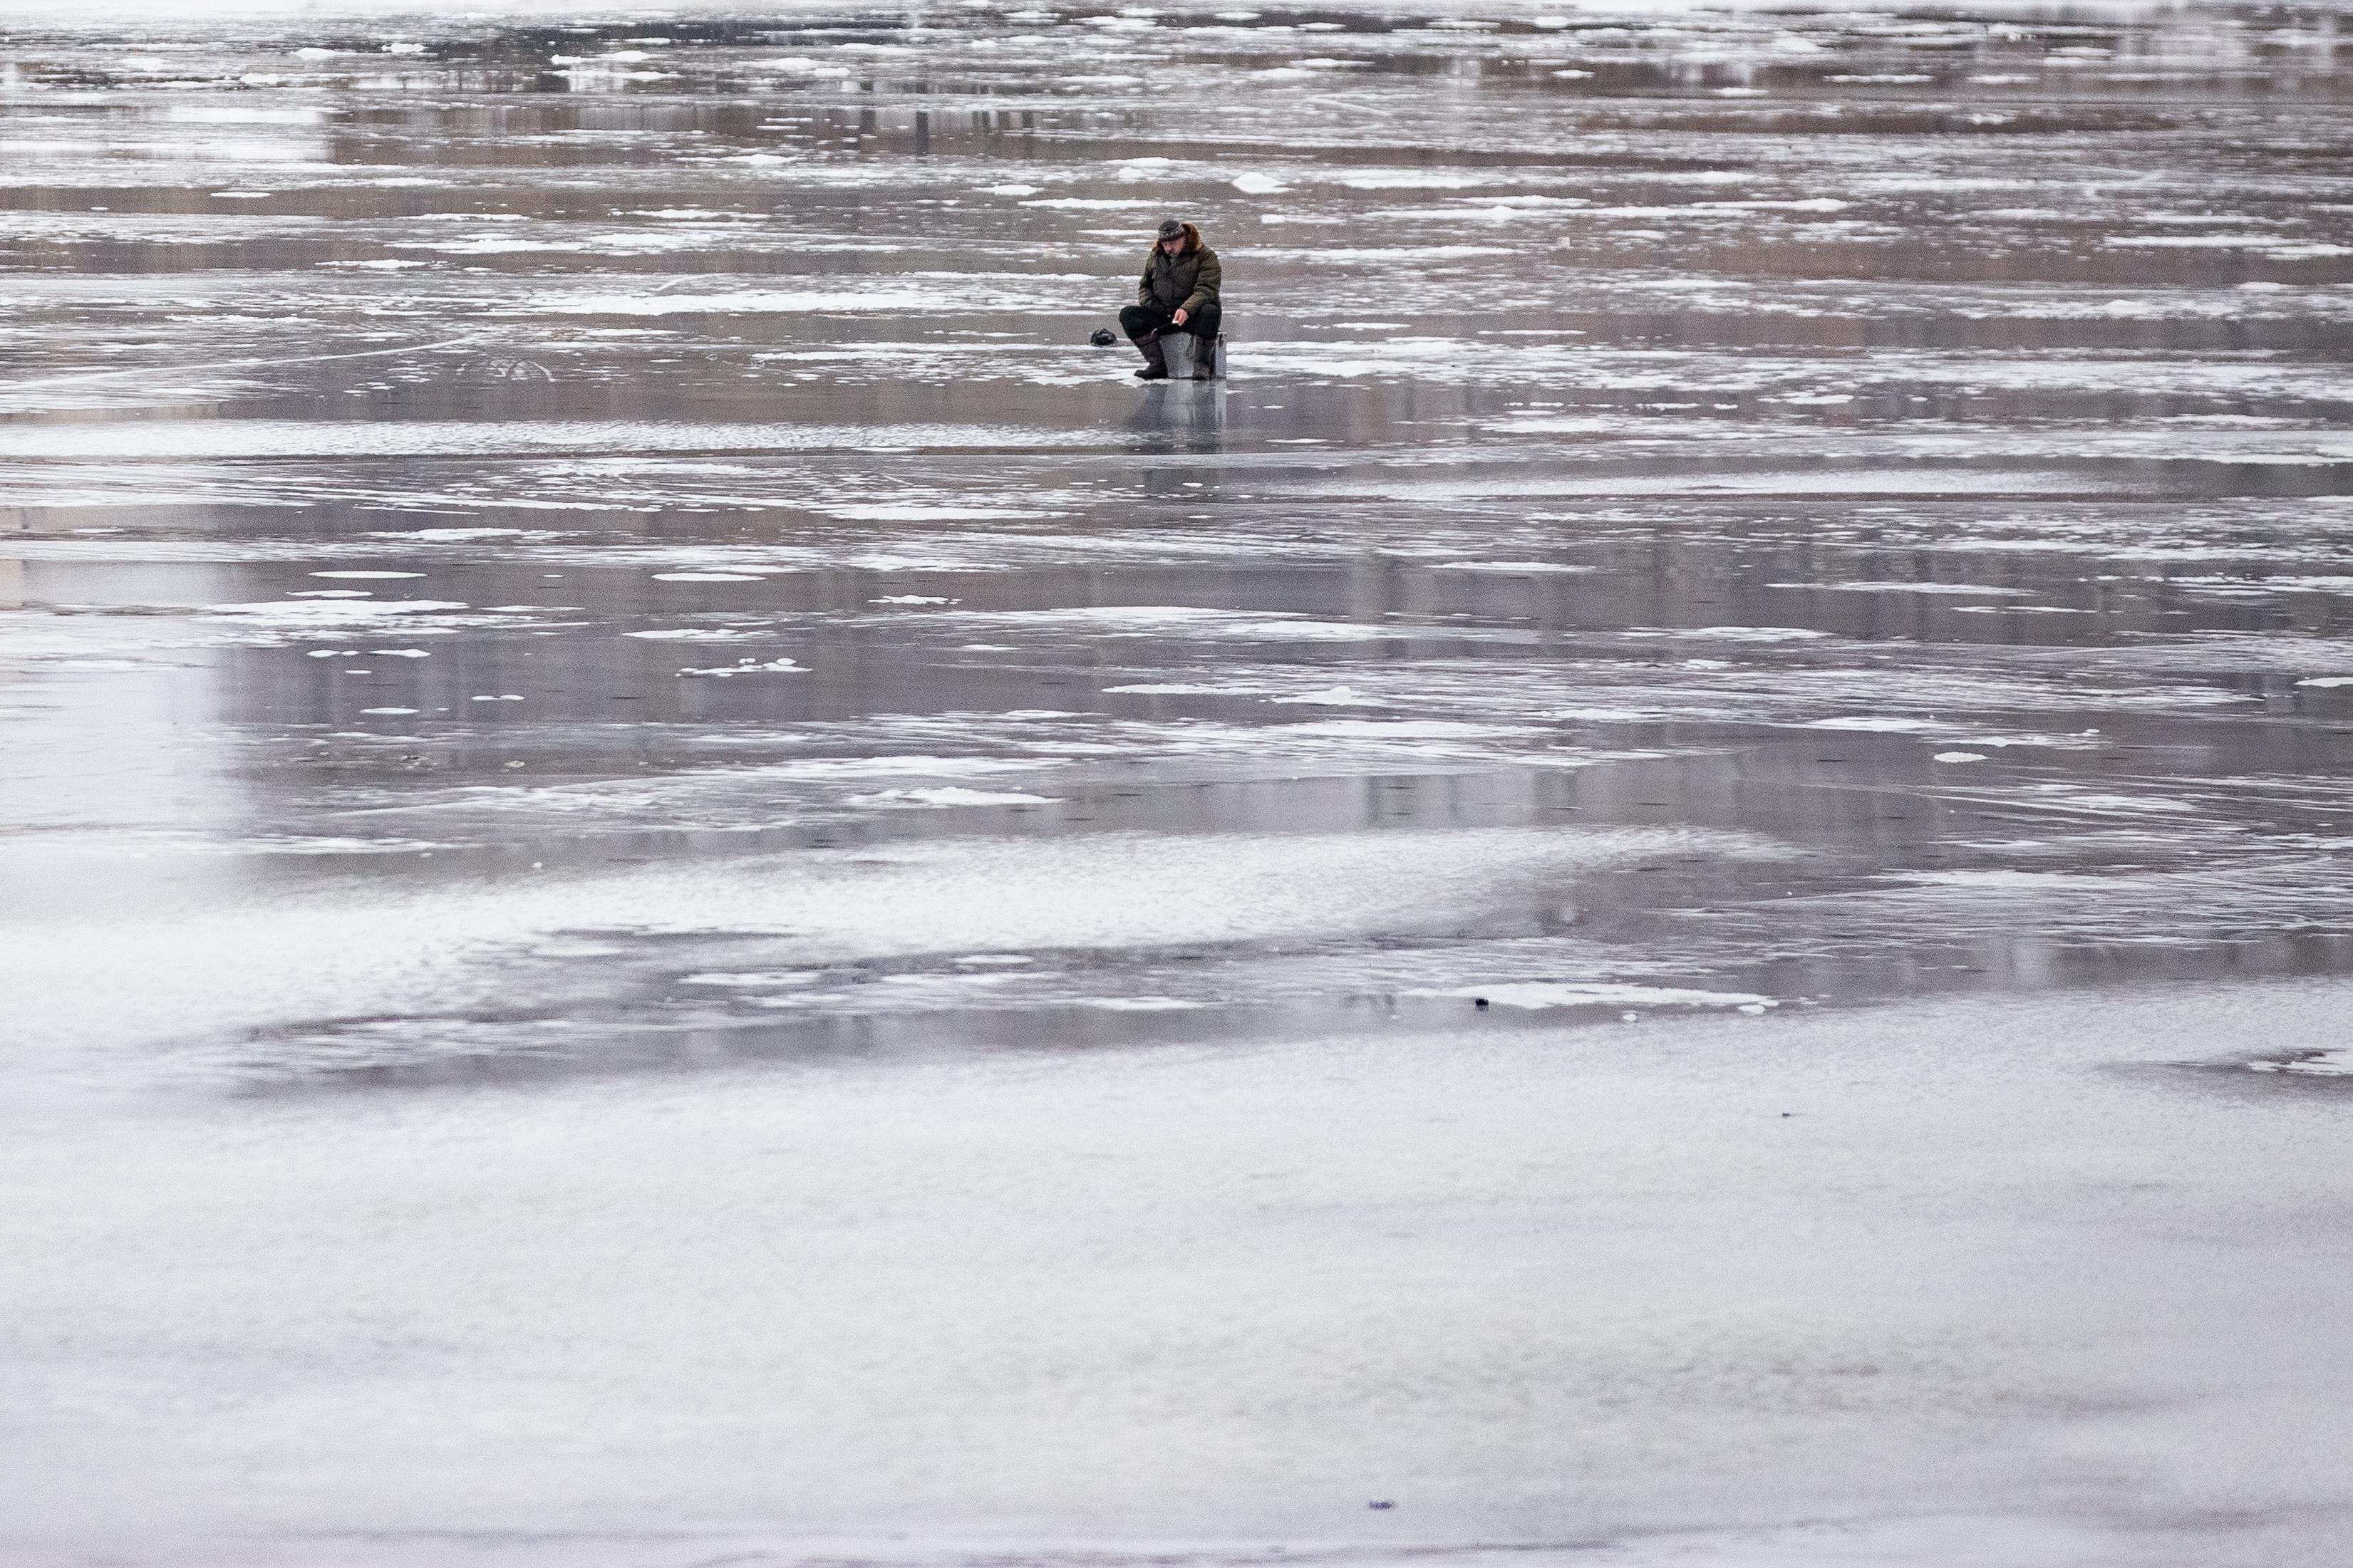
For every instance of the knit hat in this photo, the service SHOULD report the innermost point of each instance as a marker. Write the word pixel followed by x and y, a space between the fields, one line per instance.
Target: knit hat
pixel 1171 229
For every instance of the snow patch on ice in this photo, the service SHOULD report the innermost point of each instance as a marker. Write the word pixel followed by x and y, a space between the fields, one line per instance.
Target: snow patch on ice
pixel 1334 697
pixel 459 535
pixel 750 667
pixel 1730 634
pixel 1540 994
pixel 763 979
pixel 1974 590
pixel 2336 1063
pixel 1510 568
pixel 921 511
pixel 331 612
pixel 1886 724
pixel 739 302
pixel 951 794
pixel 2002 878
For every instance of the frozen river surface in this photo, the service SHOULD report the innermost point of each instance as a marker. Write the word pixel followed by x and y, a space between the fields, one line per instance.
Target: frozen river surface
pixel 679 886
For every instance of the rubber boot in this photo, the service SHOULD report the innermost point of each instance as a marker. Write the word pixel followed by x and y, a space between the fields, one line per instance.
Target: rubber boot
pixel 1155 367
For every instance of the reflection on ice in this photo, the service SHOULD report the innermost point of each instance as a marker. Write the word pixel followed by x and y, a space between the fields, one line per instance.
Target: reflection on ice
pixel 610 718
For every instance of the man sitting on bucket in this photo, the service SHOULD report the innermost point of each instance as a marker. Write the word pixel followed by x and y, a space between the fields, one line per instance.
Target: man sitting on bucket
pixel 1177 296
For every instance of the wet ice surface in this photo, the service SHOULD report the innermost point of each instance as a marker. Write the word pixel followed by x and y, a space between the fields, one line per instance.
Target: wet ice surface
pixel 589 558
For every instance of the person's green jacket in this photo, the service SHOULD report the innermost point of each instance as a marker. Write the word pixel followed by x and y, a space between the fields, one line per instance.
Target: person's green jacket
pixel 1187 281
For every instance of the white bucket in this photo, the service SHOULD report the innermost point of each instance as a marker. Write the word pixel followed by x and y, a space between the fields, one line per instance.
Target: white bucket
pixel 1181 351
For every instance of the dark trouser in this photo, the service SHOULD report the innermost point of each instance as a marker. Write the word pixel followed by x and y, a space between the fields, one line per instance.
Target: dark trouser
pixel 1144 324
